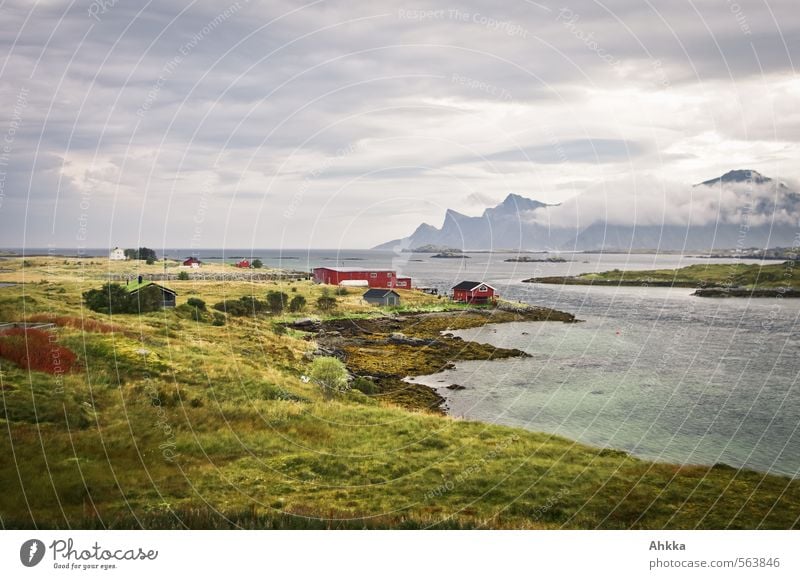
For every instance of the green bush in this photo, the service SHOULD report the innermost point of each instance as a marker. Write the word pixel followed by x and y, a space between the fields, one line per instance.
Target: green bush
pixel 297 303
pixel 244 306
pixel 183 276
pixel 341 291
pixel 196 303
pixel 276 301
pixel 257 264
pixel 331 375
pixel 326 301
pixel 365 385
pixel 219 319
pixel 111 298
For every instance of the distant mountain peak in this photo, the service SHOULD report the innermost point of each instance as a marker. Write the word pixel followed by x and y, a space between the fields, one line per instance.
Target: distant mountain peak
pixel 739 176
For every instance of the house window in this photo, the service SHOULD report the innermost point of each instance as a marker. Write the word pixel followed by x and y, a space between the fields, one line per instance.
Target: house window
pixel 401 284
pixel 389 274
pixel 482 288
pixel 373 274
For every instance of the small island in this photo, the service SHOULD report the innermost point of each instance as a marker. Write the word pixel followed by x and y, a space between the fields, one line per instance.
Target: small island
pixel 432 248
pixel 709 280
pixel 529 259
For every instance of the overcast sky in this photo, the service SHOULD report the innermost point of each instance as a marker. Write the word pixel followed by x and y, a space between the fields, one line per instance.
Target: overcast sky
pixel 346 124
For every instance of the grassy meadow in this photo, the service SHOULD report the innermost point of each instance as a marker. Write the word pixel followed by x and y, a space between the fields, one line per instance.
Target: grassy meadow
pixel 169 421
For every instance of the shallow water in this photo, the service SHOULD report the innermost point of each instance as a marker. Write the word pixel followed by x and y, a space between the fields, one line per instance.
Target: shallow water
pixel 655 372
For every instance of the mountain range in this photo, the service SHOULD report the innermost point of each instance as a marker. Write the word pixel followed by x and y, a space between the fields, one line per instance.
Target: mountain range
pixel 746 209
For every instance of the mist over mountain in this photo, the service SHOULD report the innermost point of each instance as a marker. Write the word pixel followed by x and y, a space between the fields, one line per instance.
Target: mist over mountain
pixel 741 208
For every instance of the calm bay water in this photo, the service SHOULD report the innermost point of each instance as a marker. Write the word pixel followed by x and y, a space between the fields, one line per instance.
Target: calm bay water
pixel 653 371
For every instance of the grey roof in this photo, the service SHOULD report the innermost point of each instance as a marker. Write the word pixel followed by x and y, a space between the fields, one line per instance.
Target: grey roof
pixel 379 293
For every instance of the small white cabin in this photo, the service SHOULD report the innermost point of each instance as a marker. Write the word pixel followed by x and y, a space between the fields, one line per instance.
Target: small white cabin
pixel 117 254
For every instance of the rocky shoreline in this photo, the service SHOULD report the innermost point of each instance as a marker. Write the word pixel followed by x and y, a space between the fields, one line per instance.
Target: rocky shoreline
pixel 387 350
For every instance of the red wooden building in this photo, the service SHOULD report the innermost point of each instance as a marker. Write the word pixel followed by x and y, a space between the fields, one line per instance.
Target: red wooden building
pixel 474 292
pixel 383 278
pixel 243 264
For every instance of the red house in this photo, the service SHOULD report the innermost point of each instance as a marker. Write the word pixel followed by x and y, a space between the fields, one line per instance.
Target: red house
pixel 192 262
pixel 474 292
pixel 383 278
pixel 244 263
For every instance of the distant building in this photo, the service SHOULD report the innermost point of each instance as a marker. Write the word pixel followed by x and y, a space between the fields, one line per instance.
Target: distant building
pixel 382 278
pixel 382 297
pixel 243 264
pixel 474 292
pixel 117 254
pixel 168 296
pixel 403 283
pixel 192 262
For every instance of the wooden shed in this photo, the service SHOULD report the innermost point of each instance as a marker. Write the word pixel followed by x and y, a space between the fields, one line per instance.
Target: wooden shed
pixel 382 297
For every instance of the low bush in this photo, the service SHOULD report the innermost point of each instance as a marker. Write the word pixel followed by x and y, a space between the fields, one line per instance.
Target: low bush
pixel 36 350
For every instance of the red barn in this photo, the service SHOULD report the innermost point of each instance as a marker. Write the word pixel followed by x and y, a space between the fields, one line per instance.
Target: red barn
pixel 473 292
pixel 383 278
pixel 403 283
pixel 244 263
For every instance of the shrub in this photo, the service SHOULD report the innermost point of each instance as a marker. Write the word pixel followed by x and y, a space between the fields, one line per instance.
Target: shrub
pixel 36 350
pixel 298 303
pixel 219 319
pixel 279 329
pixel 365 385
pixel 196 303
pixel 341 291
pixel 276 301
pixel 257 264
pixel 330 373
pixel 183 276
pixel 244 306
pixel 326 301
pixel 112 298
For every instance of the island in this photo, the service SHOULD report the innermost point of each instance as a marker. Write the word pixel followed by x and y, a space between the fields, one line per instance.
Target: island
pixel 529 259
pixel 709 280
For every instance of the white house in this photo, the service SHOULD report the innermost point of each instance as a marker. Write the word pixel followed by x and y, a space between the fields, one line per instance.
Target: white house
pixel 117 254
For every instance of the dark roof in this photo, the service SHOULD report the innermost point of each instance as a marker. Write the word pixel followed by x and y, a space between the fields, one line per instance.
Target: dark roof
pixel 470 285
pixel 379 293
pixel 133 288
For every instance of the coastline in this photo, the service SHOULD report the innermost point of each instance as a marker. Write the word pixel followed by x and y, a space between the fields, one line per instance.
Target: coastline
pixel 387 350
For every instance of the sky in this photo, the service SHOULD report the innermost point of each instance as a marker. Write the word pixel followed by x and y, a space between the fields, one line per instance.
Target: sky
pixel 336 124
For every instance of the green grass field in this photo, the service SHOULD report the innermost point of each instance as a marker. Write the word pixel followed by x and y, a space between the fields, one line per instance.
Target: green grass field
pixel 171 422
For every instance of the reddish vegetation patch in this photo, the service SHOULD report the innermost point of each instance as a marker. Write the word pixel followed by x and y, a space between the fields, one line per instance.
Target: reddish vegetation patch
pixel 85 324
pixel 36 350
